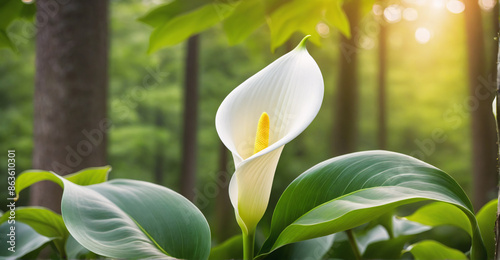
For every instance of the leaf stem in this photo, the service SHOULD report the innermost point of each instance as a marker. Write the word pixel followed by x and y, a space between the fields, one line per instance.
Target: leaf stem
pixel 354 245
pixel 248 242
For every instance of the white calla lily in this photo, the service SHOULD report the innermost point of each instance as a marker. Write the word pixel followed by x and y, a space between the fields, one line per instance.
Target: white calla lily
pixel 282 100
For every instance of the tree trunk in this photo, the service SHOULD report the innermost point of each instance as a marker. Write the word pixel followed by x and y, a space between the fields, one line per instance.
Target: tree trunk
pixel 382 111
pixel 482 123
pixel 160 150
pixel 189 144
pixel 346 120
pixel 223 209
pixel 497 222
pixel 496 67
pixel 70 121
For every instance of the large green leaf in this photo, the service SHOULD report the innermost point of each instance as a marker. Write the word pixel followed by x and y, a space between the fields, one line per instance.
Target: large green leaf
pixel 45 222
pixel 295 15
pixel 26 240
pixel 245 19
pixel 183 26
pixel 86 176
pixel 347 191
pixel 164 13
pixel 429 249
pixel 486 218
pixel 134 219
pixel 336 17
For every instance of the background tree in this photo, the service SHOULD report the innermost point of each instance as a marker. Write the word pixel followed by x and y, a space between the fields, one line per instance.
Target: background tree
pixel 347 96
pixel 382 86
pixel 71 82
pixel 189 143
pixel 482 124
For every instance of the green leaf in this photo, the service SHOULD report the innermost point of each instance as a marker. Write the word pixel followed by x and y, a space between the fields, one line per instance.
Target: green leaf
pixel 134 219
pixel 230 249
pixel 390 248
pixel 166 12
pixel 311 249
pixel 45 222
pixel 439 213
pixel 364 239
pixel 347 191
pixel 86 176
pixel 429 249
pixel 26 240
pixel 403 227
pixel 183 26
pixel 75 250
pixel 247 17
pixel 296 15
pixel 386 249
pixel 6 42
pixel 486 218
pixel 336 17
pixel 9 10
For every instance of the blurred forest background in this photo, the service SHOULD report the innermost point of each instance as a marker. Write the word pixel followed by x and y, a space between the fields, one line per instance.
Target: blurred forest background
pixel 405 81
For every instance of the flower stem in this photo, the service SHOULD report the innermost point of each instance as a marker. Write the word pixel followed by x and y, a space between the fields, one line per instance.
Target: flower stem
pixel 354 245
pixel 248 241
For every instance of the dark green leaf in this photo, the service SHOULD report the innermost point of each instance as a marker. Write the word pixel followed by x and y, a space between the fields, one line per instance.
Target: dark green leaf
pixel 486 220
pixel 312 249
pixel 230 249
pixel 347 191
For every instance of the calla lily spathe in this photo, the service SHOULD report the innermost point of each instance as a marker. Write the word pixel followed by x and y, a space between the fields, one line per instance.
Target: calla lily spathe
pixel 290 91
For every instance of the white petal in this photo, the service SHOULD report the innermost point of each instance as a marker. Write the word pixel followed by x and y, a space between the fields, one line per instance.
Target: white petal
pixel 290 90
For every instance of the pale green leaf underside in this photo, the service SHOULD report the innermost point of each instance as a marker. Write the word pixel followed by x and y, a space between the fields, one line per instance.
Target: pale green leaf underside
pixel 26 240
pixel 44 221
pixel 349 190
pixel 135 219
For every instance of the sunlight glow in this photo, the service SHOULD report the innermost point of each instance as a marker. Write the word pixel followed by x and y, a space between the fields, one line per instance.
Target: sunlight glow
pixel 323 29
pixel 487 5
pixel 422 35
pixel 28 1
pixel 415 2
pixel 438 4
pixel 410 14
pixel 392 13
pixel 455 6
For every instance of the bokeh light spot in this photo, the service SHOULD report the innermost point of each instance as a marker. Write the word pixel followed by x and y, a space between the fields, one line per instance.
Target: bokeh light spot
pixel 422 35
pixel 410 14
pixel 455 6
pixel 392 13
